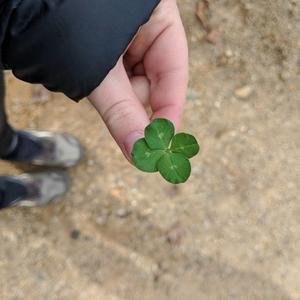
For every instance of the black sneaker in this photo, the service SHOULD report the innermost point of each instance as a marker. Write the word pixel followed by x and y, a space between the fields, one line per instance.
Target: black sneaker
pixel 37 189
pixel 41 148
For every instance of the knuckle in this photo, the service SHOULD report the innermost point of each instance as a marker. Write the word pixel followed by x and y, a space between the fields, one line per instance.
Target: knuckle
pixel 121 110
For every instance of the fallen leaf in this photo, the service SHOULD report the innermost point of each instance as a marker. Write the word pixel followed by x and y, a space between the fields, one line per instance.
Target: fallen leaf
pixel 213 36
pixel 202 14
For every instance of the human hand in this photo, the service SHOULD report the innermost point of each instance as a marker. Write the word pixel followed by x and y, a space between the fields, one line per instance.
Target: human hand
pixel 153 69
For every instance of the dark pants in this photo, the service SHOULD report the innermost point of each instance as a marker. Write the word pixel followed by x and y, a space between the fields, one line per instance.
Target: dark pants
pixel 9 191
pixel 6 132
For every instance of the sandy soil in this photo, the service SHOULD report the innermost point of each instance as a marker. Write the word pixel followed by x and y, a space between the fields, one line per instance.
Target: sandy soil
pixel 231 232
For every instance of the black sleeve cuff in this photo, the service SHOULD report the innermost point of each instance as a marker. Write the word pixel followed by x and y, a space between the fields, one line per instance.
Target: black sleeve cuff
pixel 69 46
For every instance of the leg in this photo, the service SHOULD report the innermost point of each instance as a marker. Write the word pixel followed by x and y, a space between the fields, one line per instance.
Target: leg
pixel 7 134
pixel 9 190
pixel 39 148
pixel 26 189
pixel 11 143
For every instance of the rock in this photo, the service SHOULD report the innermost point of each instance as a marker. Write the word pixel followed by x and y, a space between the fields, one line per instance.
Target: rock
pixel 244 92
pixel 175 234
pixel 101 220
pixel 123 213
pixel 75 234
pixel 228 53
pixel 90 162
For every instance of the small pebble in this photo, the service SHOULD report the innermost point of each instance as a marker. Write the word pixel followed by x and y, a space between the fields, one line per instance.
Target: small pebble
pixel 123 213
pixel 101 220
pixel 175 234
pixel 91 162
pixel 228 53
pixel 244 92
pixel 75 234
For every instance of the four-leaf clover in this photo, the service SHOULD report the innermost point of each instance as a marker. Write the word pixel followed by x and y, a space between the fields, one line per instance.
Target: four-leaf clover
pixel 164 152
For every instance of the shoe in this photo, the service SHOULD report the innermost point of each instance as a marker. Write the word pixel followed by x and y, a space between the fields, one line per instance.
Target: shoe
pixel 38 189
pixel 41 148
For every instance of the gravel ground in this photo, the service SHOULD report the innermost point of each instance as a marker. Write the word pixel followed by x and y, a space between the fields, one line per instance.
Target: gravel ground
pixel 231 232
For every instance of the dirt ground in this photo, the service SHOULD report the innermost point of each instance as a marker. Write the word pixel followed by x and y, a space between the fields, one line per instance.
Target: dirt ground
pixel 231 232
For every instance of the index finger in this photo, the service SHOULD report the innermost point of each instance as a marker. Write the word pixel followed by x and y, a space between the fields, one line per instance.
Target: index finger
pixel 166 65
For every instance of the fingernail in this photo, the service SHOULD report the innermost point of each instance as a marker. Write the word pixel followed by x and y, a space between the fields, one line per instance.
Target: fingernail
pixel 129 142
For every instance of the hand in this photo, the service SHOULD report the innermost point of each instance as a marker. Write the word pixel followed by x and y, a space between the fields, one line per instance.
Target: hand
pixel 153 69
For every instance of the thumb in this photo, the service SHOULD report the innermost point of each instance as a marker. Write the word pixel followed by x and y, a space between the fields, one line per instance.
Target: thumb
pixel 120 109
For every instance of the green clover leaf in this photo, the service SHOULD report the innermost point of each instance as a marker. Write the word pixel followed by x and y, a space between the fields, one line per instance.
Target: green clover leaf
pixel 145 158
pixel 159 134
pixel 164 152
pixel 174 167
pixel 186 144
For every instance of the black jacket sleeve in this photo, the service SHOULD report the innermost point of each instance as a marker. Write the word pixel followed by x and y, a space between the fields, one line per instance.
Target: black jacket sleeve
pixel 68 46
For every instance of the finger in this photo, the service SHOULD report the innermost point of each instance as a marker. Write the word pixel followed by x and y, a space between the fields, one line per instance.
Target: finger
pixel 139 70
pixel 145 37
pixel 122 112
pixel 166 65
pixel 141 87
